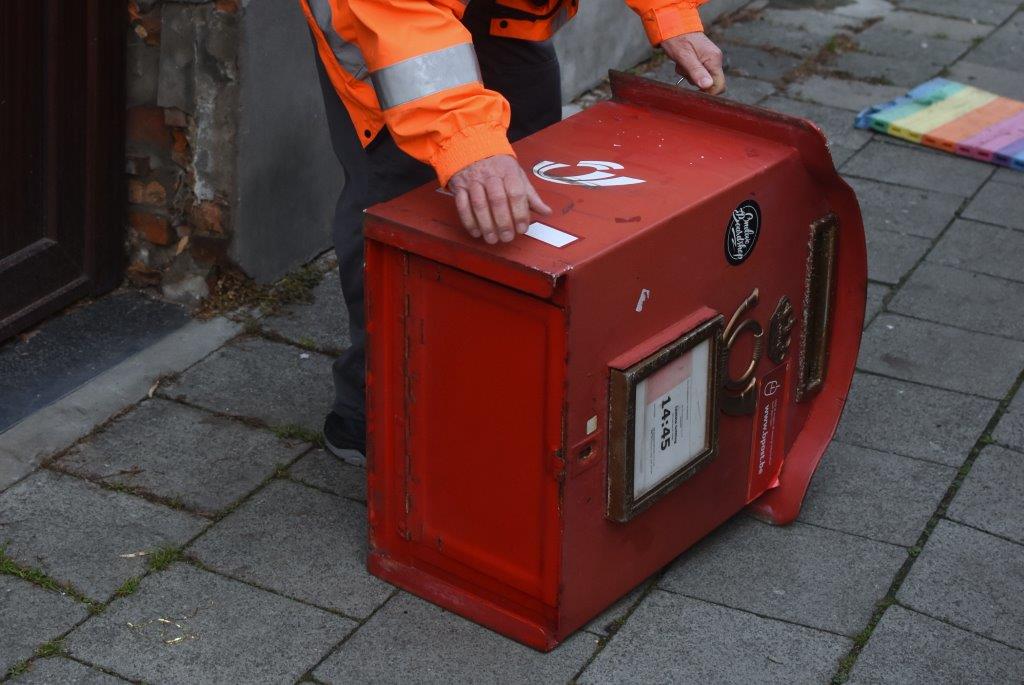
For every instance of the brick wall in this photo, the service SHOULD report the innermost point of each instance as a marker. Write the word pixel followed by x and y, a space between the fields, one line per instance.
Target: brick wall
pixel 182 96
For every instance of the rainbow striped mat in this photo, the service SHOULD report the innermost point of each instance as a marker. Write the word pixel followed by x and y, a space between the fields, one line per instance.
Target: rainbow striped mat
pixel 956 118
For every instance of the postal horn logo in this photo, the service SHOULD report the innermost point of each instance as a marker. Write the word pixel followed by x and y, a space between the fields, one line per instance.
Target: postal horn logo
pixel 742 232
pixel 603 175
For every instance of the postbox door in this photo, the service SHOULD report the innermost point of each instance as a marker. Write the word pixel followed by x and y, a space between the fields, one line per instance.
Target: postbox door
pixel 482 499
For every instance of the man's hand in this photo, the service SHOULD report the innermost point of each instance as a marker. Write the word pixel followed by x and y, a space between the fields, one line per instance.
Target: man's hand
pixel 494 198
pixel 698 59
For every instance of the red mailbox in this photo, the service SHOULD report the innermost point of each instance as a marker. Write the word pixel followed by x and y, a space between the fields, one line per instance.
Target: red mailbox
pixel 553 420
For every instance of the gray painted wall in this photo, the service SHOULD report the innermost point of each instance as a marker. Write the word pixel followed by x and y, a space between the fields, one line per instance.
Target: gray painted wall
pixel 288 177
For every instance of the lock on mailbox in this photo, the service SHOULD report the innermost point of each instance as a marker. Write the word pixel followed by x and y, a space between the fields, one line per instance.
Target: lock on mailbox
pixel 553 420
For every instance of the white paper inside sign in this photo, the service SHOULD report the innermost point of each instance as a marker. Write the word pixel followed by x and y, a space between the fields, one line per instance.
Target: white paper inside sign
pixel 671 418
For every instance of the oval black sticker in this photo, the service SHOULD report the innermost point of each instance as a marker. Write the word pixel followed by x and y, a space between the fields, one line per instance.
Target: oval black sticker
pixel 742 232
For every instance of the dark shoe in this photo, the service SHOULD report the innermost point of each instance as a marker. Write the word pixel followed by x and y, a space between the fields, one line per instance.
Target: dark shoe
pixel 345 438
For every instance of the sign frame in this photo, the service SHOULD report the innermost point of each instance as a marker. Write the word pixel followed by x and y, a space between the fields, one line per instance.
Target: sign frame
pixel 622 504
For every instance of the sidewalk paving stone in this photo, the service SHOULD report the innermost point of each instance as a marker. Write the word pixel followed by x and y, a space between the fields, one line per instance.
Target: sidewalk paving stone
pixel 880 496
pixel 983 11
pixel 970 579
pixel 205 461
pixel 963 299
pixel 935 26
pixel 31 616
pixel 229 632
pixel 78 533
pixel 992 495
pixel 800 573
pixel 843 93
pixel 913 420
pixel 892 255
pixel 983 249
pixel 323 470
pixel 410 641
pixel 60 670
pixel 863 9
pixel 997 203
pixel 1010 430
pixel 322 322
pixel 604 624
pixel 283 385
pixel 675 639
pixel 300 542
pixel 844 139
pixel 942 356
pixel 884 69
pixel 921 213
pixel 908 647
pixel 744 60
pixel 1011 176
pixel 809 20
pixel 1006 82
pixel 771 36
pixel 881 39
pixel 876 297
pixel 1004 48
pixel 918 168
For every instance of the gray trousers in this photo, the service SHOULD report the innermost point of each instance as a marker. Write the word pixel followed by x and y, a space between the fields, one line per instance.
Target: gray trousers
pixel 525 73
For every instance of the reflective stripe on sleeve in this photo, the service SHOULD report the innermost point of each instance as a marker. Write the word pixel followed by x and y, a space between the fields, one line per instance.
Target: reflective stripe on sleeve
pixel 425 75
pixel 348 54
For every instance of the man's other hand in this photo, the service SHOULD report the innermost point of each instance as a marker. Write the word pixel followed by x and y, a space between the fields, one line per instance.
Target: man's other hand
pixel 494 198
pixel 698 59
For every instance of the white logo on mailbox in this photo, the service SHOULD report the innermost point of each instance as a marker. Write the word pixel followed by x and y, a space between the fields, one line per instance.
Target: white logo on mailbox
pixel 599 178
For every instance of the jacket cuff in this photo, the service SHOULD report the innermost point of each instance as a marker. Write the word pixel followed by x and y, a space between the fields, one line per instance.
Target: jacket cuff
pixel 469 145
pixel 671 21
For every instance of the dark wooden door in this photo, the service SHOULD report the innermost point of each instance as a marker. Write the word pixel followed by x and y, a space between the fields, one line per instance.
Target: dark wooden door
pixel 61 154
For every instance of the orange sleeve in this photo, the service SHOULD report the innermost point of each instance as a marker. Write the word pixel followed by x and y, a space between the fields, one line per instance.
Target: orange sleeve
pixel 424 70
pixel 664 19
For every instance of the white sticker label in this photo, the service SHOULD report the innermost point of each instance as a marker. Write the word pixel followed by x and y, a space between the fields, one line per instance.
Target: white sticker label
pixel 549 234
pixel 671 418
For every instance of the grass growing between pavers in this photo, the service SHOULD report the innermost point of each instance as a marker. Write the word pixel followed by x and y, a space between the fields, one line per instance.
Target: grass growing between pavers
pixel 128 587
pixel 985 439
pixel 234 291
pixel 163 557
pixel 293 431
pixel 10 567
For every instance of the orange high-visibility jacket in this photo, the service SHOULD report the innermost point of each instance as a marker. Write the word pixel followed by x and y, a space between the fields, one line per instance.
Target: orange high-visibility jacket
pixel 410 65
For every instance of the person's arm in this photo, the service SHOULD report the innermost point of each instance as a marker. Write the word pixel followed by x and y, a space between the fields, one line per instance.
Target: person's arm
pixel 424 70
pixel 675 25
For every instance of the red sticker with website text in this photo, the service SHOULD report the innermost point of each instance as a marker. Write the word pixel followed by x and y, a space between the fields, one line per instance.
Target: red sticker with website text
pixel 766 447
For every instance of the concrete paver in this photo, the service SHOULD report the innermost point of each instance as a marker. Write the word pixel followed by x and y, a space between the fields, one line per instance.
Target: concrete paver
pixel 804 574
pixel 992 495
pixel 185 625
pixel 908 647
pixel 960 298
pixel 988 11
pixel 880 496
pixel 970 579
pixel 411 641
pixel 323 470
pixel 300 542
pixel 853 96
pixel 918 167
pixel 284 385
pixel 884 69
pixel 938 355
pixel 882 39
pixel 892 255
pixel 675 639
pixel 876 297
pixel 997 203
pixel 913 420
pixel 921 213
pixel 31 616
pixel 757 63
pixel 61 670
pixel 1010 429
pixel 1004 48
pixel 936 26
pixel 322 323
pixel 983 249
pixel 205 461
pixel 81 534
pixel 1006 82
